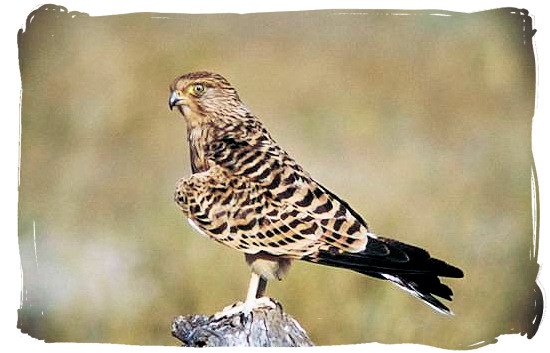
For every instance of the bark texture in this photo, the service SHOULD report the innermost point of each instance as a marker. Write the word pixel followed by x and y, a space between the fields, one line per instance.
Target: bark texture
pixel 263 327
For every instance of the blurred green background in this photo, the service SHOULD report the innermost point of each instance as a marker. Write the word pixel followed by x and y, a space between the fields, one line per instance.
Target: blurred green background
pixel 421 122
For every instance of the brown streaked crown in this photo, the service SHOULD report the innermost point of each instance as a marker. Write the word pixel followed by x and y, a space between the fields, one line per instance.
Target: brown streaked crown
pixel 206 77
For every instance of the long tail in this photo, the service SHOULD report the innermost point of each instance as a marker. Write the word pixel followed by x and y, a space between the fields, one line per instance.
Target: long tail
pixel 409 267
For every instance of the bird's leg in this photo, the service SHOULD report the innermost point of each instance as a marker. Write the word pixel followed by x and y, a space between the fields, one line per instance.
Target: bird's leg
pixel 254 299
pixel 256 290
pixel 262 285
pixel 256 287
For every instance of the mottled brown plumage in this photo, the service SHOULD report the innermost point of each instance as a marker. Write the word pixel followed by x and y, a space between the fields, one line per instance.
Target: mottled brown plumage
pixel 249 194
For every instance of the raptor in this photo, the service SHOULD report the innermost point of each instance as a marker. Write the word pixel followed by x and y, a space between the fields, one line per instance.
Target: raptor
pixel 247 193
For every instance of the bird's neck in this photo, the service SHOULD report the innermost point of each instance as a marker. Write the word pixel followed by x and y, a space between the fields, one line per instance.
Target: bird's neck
pixel 202 132
pixel 198 136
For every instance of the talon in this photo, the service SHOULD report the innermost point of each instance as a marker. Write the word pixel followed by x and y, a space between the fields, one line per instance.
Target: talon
pixel 245 309
pixel 266 302
pixel 243 318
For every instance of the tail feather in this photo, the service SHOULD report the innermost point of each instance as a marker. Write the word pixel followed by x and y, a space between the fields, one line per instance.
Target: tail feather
pixel 409 267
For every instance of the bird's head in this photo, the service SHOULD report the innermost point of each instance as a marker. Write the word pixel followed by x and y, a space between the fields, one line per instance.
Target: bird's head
pixel 202 94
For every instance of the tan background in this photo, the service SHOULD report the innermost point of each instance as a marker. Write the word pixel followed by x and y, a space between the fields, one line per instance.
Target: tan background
pixel 422 123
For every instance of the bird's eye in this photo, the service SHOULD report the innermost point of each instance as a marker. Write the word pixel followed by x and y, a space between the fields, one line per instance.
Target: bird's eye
pixel 198 89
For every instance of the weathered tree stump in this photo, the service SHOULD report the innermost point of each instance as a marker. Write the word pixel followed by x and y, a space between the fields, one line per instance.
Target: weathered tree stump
pixel 263 327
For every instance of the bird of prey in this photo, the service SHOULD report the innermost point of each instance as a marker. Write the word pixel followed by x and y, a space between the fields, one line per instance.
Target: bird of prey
pixel 247 193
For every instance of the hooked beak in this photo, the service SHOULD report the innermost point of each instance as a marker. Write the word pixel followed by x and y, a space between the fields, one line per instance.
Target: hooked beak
pixel 174 99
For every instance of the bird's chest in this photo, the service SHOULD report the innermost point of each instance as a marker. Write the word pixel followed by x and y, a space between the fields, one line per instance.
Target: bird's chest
pixel 198 141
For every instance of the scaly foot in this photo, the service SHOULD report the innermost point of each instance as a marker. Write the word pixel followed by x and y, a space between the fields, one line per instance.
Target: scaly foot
pixel 245 308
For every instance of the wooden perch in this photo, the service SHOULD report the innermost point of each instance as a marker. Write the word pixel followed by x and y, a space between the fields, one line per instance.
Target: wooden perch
pixel 263 327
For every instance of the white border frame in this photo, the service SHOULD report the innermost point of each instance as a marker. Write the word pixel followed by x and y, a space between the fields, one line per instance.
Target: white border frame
pixel 14 18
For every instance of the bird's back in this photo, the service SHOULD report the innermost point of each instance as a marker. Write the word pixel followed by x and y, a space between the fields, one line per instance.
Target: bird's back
pixel 254 197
